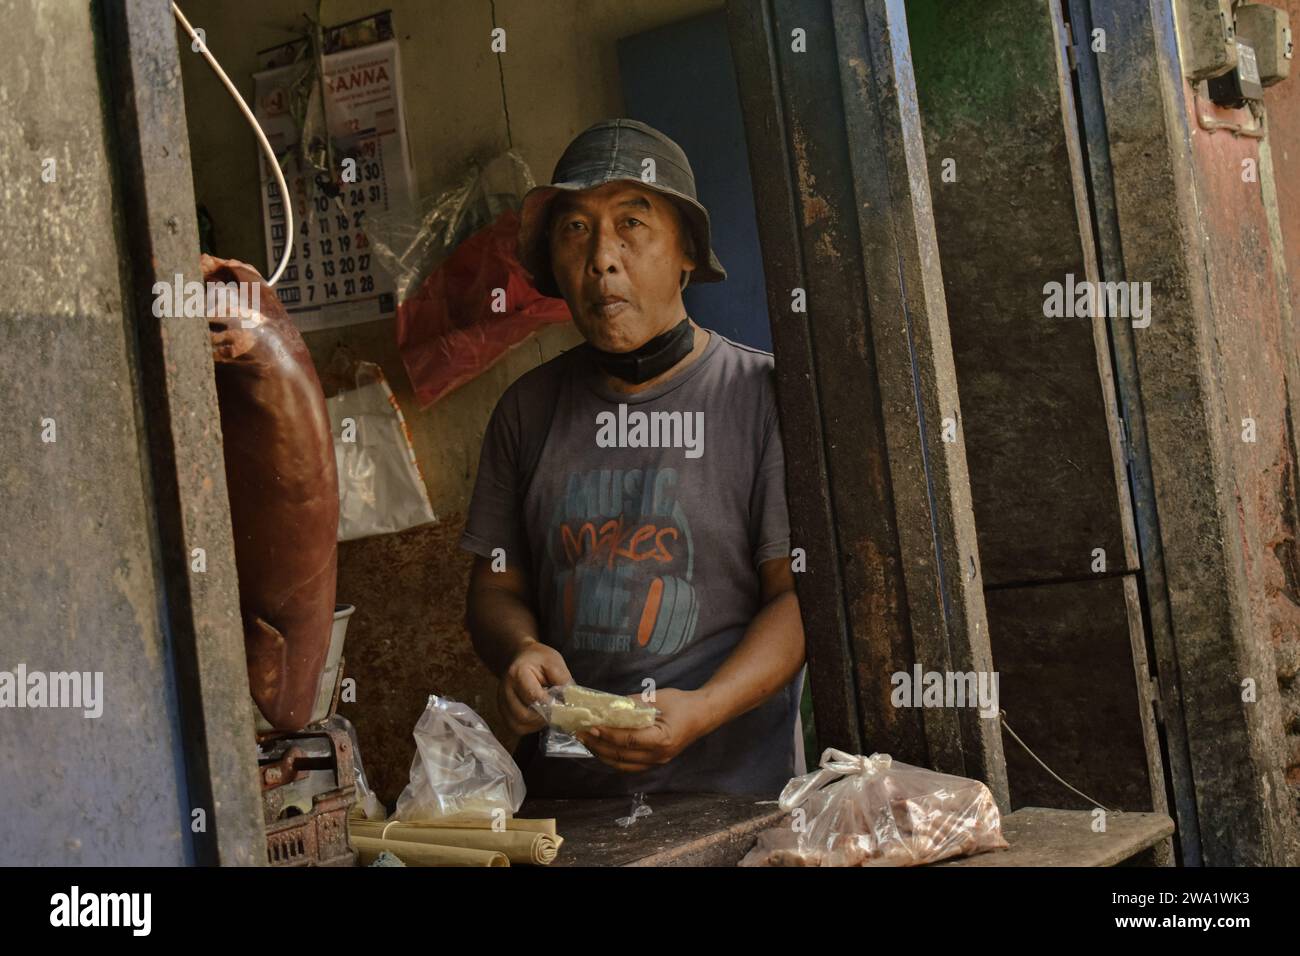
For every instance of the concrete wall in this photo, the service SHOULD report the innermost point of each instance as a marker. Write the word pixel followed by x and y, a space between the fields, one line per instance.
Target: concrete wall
pixel 81 586
pixel 559 74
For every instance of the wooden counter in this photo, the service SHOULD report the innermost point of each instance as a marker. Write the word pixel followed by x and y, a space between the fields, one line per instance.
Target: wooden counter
pixel 717 830
pixel 683 829
pixel 1043 837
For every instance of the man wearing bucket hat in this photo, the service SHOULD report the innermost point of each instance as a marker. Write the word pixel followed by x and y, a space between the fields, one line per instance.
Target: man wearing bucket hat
pixel 629 514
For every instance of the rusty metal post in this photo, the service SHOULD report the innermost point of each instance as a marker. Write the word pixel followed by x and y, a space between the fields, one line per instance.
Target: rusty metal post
pixel 1182 793
pixel 865 376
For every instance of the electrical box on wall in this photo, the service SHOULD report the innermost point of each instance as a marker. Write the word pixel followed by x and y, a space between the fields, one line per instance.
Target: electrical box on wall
pixel 1208 46
pixel 1268 32
pixel 1236 87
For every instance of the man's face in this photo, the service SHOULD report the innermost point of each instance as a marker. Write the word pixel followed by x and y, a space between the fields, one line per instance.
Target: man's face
pixel 617 254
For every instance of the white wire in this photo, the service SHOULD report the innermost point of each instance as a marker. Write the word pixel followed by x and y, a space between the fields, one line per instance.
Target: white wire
pixel 261 138
pixel 1002 714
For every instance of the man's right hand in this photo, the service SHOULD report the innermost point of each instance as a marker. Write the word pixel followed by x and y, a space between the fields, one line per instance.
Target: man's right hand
pixel 499 616
pixel 536 667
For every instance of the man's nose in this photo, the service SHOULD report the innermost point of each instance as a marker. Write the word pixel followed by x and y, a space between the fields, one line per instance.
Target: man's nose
pixel 606 251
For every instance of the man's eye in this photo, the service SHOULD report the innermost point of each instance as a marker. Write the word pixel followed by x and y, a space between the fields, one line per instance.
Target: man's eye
pixel 634 222
pixel 573 225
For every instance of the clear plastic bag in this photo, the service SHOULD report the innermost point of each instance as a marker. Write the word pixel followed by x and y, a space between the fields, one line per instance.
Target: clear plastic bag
pixel 459 767
pixel 571 708
pixel 381 489
pixel 464 299
pixel 875 811
pixel 557 743
pixel 367 804
pixel 639 809
pixel 411 242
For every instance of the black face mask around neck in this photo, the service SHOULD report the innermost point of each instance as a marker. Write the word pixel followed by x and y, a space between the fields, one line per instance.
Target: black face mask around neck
pixel 653 358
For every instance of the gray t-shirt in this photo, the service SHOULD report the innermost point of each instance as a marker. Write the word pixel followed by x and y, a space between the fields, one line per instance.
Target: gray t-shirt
pixel 642 529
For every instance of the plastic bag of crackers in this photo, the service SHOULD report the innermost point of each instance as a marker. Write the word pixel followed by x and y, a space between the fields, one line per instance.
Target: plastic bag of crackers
pixel 875 811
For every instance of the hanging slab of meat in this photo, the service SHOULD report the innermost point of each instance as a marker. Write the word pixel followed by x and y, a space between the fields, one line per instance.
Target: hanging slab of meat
pixel 283 487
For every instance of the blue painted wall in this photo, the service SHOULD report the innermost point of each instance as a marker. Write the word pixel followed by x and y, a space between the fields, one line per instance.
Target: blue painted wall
pixel 680 79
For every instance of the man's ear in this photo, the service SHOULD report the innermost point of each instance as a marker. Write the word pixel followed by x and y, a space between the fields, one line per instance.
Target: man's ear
pixel 687 237
pixel 689 261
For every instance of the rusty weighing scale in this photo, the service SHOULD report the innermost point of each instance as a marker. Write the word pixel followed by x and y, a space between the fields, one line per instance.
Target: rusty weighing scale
pixel 309 777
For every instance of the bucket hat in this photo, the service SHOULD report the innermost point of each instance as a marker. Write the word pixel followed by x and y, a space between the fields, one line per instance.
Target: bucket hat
pixel 610 150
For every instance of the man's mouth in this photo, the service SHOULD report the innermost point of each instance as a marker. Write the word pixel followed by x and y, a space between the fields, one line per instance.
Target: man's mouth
pixel 608 305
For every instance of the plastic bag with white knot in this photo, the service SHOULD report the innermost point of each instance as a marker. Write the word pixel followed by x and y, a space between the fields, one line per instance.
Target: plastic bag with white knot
pixel 876 811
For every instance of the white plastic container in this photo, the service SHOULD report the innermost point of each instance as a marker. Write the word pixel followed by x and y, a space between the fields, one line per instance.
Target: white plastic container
pixel 329 678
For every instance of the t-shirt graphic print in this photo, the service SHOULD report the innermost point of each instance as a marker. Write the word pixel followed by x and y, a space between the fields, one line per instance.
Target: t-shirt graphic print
pixel 621 543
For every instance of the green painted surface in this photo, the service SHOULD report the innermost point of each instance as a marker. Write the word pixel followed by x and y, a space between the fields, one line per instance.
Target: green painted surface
pixel 976 61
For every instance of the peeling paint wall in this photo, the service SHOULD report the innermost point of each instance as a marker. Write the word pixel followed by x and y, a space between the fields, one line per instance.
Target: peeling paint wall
pixel 1237 181
pixel 560 74
pixel 1280 163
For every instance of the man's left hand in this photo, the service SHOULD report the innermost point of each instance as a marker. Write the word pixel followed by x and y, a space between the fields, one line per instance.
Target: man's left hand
pixel 683 719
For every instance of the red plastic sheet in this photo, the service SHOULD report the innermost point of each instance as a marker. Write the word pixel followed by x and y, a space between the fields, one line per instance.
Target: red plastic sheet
pixel 458 324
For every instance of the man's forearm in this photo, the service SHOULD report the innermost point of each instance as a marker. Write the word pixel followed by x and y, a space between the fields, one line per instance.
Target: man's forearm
pixel 765 660
pixel 500 625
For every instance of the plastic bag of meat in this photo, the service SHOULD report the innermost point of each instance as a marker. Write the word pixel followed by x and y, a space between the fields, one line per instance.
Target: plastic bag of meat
pixel 283 488
pixel 875 811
